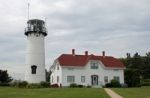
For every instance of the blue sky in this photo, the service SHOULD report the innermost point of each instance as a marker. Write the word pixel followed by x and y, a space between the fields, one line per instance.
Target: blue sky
pixel 116 26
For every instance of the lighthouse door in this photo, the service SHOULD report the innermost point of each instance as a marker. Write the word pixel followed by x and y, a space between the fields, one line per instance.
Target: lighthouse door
pixel 33 69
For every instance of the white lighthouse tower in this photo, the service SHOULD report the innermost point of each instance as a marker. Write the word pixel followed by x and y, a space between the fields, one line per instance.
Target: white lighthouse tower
pixel 35 53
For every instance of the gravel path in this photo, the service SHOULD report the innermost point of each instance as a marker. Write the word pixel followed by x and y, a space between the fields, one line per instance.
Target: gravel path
pixel 112 94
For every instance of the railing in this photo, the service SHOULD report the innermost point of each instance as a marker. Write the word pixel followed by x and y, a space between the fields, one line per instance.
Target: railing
pixel 29 29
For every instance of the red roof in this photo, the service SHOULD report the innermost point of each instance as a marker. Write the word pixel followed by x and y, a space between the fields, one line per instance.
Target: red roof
pixel 82 60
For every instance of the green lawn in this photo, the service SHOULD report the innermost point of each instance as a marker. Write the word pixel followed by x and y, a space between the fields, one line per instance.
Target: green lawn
pixel 9 92
pixel 143 92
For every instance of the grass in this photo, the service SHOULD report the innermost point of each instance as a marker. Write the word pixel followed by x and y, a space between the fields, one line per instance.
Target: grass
pixel 143 92
pixel 10 92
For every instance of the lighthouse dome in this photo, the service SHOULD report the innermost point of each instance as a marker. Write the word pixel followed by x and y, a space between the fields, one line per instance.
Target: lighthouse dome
pixel 35 26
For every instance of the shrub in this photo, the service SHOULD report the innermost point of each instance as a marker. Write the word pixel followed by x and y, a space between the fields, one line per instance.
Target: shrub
pixel 4 84
pixel 115 83
pixel 80 86
pixel 22 84
pixel 34 85
pixel 108 85
pixel 88 86
pixel 44 84
pixel 54 86
pixel 73 85
pixel 146 82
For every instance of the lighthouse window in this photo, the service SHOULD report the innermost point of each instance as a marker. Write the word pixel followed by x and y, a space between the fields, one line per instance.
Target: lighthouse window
pixel 33 69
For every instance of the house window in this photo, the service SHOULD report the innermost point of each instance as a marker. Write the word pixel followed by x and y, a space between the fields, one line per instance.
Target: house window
pixel 106 79
pixel 82 79
pixel 94 65
pixel 117 78
pixel 71 79
pixel 33 69
pixel 57 78
pixel 52 79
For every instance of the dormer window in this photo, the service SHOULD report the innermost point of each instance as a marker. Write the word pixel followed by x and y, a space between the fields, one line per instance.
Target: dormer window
pixel 94 65
pixel 33 69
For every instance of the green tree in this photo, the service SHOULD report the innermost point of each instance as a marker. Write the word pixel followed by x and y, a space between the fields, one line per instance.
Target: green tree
pixel 47 76
pixel 145 68
pixel 4 77
pixel 132 77
pixel 136 61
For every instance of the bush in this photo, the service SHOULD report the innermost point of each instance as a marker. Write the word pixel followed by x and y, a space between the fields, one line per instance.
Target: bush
pixel 115 83
pixel 34 85
pixel 108 85
pixel 73 85
pixel 22 84
pixel 80 86
pixel 4 84
pixel 88 86
pixel 44 84
pixel 146 82
pixel 54 86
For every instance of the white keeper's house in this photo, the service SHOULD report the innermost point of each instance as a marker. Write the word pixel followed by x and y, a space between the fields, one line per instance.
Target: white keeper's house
pixel 92 70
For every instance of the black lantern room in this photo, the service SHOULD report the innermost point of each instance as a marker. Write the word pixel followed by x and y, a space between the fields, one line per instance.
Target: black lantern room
pixel 35 26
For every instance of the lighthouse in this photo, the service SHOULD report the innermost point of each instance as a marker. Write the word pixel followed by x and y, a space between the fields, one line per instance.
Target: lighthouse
pixel 35 53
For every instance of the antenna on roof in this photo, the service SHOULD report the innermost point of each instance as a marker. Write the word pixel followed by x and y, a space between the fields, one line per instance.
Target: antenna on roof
pixel 28 10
